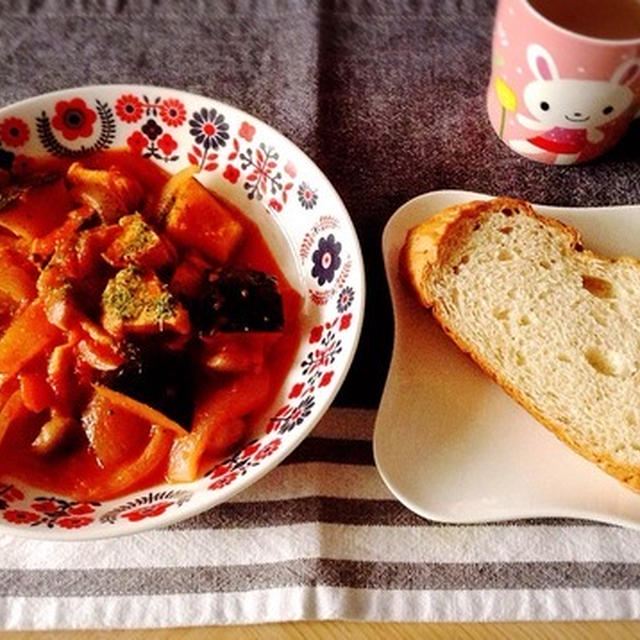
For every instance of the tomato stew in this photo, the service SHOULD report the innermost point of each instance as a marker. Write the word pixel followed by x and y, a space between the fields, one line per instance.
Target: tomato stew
pixel 143 325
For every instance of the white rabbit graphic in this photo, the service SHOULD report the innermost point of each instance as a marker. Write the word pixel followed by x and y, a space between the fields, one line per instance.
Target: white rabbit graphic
pixel 568 111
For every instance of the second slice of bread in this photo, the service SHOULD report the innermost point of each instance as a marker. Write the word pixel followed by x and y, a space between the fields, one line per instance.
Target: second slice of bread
pixel 556 325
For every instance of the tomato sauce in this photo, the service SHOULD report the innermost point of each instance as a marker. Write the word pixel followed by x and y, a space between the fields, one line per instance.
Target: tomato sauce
pixel 74 469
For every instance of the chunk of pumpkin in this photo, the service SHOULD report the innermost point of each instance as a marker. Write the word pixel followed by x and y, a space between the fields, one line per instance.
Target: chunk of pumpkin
pixel 107 191
pixel 136 301
pixel 168 192
pixel 197 220
pixel 138 244
pixel 27 336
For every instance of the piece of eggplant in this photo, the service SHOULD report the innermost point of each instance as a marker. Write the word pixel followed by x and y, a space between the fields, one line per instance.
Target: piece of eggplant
pixel 159 377
pixel 239 300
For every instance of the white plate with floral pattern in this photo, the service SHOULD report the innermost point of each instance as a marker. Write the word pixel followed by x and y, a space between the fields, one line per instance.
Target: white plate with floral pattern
pixel 448 442
pixel 303 221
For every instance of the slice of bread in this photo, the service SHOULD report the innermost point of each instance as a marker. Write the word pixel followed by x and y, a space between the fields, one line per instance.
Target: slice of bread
pixel 556 325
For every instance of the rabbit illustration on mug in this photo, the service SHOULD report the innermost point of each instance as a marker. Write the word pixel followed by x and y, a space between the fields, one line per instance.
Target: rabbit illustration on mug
pixel 569 111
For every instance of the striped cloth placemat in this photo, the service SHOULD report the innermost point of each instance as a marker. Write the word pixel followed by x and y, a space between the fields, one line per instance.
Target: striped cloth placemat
pixel 321 537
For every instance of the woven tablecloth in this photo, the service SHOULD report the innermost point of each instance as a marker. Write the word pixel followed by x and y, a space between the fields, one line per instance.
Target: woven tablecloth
pixel 321 537
pixel 388 98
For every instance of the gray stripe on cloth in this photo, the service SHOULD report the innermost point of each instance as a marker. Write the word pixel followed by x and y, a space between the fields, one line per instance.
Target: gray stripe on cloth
pixel 348 511
pixel 321 571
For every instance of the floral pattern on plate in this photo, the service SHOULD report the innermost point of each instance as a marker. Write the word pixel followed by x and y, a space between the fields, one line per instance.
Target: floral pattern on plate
pixel 254 167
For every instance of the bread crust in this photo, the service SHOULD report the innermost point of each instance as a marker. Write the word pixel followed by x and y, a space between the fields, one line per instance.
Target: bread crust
pixel 425 249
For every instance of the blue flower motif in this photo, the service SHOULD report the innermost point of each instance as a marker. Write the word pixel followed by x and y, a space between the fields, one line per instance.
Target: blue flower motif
pixel 209 128
pixel 307 197
pixel 151 129
pixel 326 259
pixel 345 299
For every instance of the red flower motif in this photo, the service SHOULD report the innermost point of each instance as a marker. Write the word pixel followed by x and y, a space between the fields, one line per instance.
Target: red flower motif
pixel 290 169
pixel 172 112
pixel 45 506
pixel 231 174
pixel 220 470
pixel 326 379
pixel 150 511
pixel 268 449
pixel 74 522
pixel 223 481
pixel 129 108
pixel 18 516
pixel 316 334
pixel 11 493
pixel 282 410
pixel 167 144
pixel 345 321
pixel 296 390
pixel 80 509
pixel 275 205
pixel 247 131
pixel 137 142
pixel 74 119
pixel 14 132
pixel 250 449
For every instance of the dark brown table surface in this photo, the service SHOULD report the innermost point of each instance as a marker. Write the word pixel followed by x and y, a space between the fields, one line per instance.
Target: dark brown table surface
pixel 387 96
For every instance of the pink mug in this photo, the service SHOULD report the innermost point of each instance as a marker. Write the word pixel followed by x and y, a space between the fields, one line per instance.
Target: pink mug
pixel 556 96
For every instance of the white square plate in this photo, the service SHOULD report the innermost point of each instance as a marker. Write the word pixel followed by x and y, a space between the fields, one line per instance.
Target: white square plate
pixel 448 442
